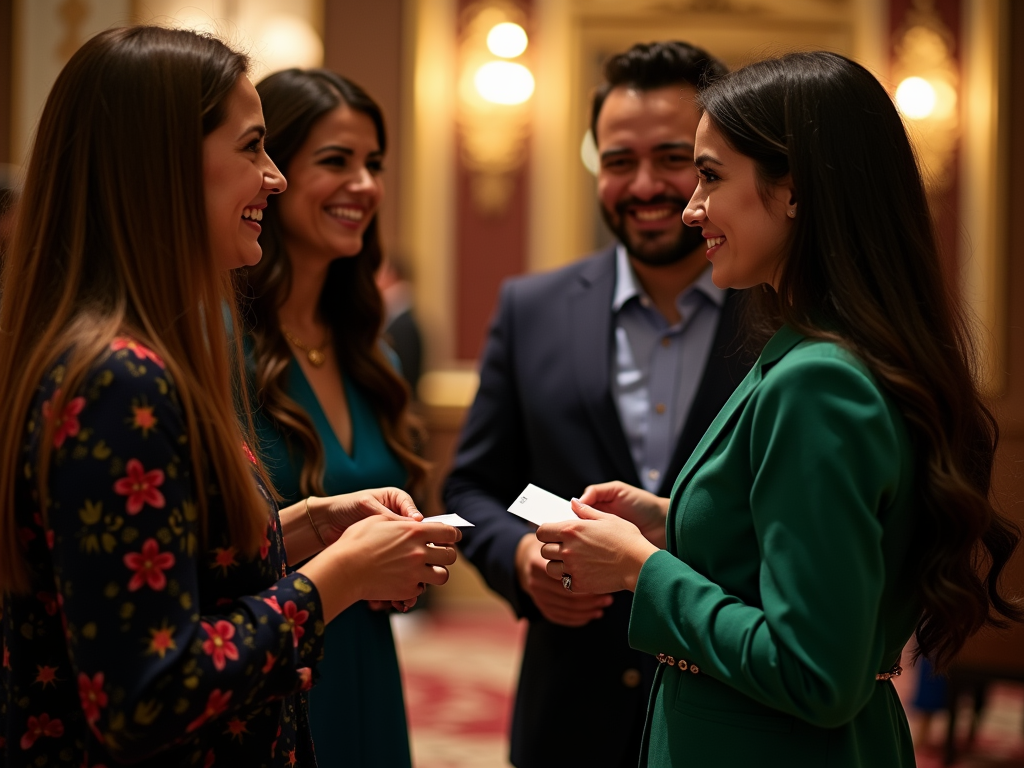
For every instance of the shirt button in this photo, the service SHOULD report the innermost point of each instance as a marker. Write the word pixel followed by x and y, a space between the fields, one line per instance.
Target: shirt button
pixel 654 474
pixel 631 678
pixel 660 408
pixel 666 342
pixel 645 301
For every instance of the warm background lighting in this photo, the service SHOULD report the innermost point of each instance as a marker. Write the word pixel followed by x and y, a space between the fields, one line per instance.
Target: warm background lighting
pixel 507 40
pixel 502 82
pixel 915 97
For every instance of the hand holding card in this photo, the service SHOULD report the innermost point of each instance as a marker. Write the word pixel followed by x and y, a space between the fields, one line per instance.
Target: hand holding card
pixel 539 506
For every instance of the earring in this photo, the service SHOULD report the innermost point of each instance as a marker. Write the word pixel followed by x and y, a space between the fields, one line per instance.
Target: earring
pixel 791 213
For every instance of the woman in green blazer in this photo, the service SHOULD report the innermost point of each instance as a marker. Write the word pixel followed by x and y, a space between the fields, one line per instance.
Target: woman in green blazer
pixel 839 501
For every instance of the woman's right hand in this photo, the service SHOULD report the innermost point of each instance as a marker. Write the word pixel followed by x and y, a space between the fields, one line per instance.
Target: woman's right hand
pixel 383 557
pixel 642 508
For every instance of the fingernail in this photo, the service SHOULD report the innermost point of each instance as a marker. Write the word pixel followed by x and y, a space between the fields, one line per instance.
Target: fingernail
pixel 576 500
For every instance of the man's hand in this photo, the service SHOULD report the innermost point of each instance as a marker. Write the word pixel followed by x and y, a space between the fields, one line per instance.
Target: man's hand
pixel 557 604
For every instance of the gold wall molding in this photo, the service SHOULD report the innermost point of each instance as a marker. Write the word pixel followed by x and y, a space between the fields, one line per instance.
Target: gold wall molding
pixel 984 186
pixel 72 14
pixel 46 35
pixel 426 229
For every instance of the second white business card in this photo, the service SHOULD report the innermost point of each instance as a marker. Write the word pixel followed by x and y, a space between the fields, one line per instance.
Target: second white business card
pixel 540 506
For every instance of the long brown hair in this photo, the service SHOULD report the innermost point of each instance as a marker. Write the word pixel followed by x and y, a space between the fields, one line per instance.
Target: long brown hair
pixel 864 271
pixel 350 303
pixel 112 239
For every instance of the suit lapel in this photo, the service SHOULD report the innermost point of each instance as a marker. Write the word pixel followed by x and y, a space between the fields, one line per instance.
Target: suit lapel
pixel 590 337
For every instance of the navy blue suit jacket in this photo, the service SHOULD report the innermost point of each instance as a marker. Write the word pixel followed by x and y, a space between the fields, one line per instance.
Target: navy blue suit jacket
pixel 544 414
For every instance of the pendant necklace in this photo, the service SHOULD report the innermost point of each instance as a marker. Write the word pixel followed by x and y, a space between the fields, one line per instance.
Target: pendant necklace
pixel 316 355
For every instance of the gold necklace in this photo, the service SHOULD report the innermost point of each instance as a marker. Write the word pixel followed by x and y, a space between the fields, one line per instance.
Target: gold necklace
pixel 315 355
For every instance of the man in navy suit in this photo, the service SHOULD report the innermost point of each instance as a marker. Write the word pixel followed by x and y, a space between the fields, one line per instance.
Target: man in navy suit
pixel 610 368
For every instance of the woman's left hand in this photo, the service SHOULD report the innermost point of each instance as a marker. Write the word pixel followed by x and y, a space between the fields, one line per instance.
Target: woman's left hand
pixel 339 512
pixel 603 553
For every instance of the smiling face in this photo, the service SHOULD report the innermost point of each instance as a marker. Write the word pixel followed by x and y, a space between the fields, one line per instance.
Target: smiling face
pixel 645 141
pixel 238 177
pixel 747 233
pixel 335 186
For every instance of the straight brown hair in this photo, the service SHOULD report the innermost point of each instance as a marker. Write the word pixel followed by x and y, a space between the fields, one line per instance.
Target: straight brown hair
pixel 111 239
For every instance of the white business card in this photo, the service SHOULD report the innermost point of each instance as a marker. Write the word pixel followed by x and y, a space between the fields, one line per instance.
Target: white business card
pixel 450 519
pixel 540 506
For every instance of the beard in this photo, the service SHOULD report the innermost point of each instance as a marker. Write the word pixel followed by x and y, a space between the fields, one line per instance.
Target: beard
pixel 646 249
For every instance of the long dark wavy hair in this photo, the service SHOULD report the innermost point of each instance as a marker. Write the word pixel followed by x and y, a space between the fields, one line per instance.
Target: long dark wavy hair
pixel 293 101
pixel 863 271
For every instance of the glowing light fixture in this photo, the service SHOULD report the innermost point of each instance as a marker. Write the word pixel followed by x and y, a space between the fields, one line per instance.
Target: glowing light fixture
pixel 916 98
pixel 507 40
pixel 503 82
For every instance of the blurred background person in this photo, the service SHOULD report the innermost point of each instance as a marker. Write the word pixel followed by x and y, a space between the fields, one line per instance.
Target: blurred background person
pixel 332 412
pixel 401 330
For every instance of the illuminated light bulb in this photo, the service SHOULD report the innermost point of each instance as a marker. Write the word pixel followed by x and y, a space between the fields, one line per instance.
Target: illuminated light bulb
pixel 502 82
pixel 915 97
pixel 507 40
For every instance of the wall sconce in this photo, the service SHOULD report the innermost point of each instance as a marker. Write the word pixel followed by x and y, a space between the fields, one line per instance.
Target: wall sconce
pixel 927 91
pixel 493 116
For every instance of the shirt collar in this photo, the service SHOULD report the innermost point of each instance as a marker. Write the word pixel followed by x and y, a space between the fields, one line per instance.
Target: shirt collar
pixel 627 285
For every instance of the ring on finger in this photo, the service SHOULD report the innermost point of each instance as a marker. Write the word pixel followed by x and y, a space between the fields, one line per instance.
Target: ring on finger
pixel 567 580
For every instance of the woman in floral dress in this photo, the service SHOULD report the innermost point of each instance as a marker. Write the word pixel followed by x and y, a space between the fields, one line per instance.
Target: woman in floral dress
pixel 146 610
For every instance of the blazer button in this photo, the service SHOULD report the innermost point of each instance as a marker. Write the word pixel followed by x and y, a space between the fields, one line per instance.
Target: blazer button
pixel 683 665
pixel 694 669
pixel 661 658
pixel 670 661
pixel 631 678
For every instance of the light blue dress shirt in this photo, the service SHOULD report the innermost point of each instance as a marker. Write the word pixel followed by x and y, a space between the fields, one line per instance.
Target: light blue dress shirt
pixel 657 367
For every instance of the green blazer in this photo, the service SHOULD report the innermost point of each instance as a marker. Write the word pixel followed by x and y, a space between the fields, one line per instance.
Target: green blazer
pixel 787 582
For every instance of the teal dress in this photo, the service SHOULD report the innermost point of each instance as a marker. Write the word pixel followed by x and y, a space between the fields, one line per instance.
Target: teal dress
pixel 356 709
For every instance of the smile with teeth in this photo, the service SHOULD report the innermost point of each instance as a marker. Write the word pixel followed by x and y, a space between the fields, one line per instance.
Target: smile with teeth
pixel 253 214
pixel 652 214
pixel 713 241
pixel 345 212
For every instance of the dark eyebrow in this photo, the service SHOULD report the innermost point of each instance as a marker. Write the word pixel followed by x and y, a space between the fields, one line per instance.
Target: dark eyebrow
pixel 616 152
pixel 261 131
pixel 663 147
pixel 705 159
pixel 343 150
pixel 334 148
pixel 684 145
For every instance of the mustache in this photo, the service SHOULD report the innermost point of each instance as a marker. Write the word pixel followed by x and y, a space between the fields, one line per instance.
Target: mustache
pixel 623 205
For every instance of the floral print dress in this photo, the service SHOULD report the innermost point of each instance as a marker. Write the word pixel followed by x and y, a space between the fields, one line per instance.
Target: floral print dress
pixel 136 643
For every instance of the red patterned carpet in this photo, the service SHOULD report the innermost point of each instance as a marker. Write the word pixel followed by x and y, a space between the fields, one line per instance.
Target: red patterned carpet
pixel 460 666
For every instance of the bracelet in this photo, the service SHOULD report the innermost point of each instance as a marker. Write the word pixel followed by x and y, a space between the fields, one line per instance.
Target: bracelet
pixel 315 529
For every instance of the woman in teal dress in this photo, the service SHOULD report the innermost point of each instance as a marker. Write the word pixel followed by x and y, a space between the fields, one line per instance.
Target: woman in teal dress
pixel 332 414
